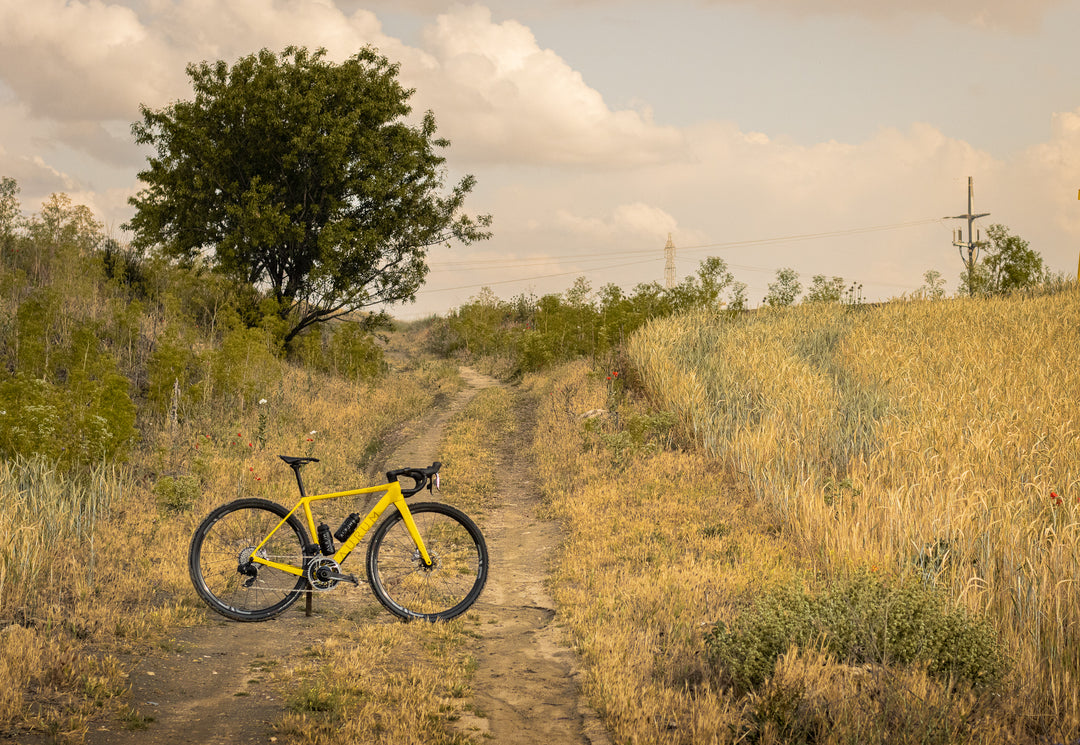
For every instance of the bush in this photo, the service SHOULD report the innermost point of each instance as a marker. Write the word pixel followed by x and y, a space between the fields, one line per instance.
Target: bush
pixel 354 353
pixel 177 494
pixel 858 620
pixel 71 406
pixel 347 348
pixel 173 365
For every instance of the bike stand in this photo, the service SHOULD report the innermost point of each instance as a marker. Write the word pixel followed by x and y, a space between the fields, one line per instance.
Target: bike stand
pixel 307 605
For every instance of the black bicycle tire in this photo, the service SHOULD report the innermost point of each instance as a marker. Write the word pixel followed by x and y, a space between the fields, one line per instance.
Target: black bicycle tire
pixel 221 605
pixel 378 544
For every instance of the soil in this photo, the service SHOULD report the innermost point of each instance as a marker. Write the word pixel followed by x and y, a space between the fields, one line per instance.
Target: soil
pixel 212 688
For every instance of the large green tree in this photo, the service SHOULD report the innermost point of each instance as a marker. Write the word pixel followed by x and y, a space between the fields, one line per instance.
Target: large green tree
pixel 306 178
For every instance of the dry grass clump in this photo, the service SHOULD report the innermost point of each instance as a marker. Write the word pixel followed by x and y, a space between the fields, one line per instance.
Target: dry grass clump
pixel 43 510
pixel 470 450
pixel 930 438
pixel 380 682
pixel 812 698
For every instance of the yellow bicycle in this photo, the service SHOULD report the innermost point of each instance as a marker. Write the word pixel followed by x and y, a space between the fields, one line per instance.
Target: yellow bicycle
pixel 251 559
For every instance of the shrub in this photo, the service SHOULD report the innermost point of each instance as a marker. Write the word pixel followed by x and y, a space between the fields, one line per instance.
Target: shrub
pixel 88 418
pixel 354 353
pixel 172 365
pixel 347 348
pixel 177 494
pixel 857 620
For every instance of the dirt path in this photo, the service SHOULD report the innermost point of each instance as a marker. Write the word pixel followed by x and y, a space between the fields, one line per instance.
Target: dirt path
pixel 525 682
pixel 212 686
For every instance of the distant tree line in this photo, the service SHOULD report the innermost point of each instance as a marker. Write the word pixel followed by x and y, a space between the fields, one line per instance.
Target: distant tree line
pixel 1008 264
pixel 532 332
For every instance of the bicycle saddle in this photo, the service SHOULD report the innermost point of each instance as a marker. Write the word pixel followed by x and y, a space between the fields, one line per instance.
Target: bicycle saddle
pixel 294 461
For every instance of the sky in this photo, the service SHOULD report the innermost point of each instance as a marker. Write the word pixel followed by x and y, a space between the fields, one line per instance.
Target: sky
pixel 829 136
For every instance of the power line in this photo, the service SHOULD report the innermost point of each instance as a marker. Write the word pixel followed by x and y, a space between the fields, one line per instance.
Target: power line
pixel 533 260
pixel 812 236
pixel 541 276
pixel 524 262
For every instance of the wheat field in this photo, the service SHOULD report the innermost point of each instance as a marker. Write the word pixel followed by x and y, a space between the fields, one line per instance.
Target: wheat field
pixel 931 438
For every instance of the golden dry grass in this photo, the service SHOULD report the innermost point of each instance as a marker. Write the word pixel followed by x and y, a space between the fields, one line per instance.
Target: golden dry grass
pixel 470 450
pixel 930 437
pixel 380 682
pixel 653 552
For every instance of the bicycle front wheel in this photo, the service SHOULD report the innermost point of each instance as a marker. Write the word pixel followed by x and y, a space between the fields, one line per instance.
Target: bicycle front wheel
pixel 221 568
pixel 441 591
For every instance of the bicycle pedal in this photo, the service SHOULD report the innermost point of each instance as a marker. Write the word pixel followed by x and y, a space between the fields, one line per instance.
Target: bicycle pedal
pixel 343 578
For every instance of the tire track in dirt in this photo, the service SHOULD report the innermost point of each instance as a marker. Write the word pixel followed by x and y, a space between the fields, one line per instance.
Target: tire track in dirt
pixel 212 686
pixel 525 687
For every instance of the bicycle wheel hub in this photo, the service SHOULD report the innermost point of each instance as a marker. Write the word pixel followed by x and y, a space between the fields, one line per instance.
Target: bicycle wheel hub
pixel 418 560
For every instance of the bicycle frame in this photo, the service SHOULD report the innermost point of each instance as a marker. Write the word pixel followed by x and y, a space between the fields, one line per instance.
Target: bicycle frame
pixel 393 496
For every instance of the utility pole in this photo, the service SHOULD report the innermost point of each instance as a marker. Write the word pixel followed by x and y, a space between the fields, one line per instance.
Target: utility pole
pixel 669 265
pixel 972 244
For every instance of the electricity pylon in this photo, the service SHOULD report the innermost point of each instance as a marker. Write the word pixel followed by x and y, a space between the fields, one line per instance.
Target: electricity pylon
pixel 669 265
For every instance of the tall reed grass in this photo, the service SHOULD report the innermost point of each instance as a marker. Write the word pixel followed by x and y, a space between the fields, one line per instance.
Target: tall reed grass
pixel 937 438
pixel 44 514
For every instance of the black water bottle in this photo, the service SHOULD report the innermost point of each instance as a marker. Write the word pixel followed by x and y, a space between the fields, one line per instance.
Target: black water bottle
pixel 326 541
pixel 346 530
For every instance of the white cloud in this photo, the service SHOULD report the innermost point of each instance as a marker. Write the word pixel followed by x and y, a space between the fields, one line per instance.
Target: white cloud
pixel 35 177
pixel 502 98
pixel 643 219
pixel 82 61
pixel 590 228
pixel 1046 174
pixel 636 220
pixel 498 95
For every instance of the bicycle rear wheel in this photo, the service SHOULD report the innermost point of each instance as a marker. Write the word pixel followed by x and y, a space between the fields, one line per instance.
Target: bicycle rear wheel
pixel 220 565
pixel 450 585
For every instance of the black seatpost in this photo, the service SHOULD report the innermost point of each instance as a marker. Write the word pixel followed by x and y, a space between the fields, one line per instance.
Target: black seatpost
pixel 299 481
